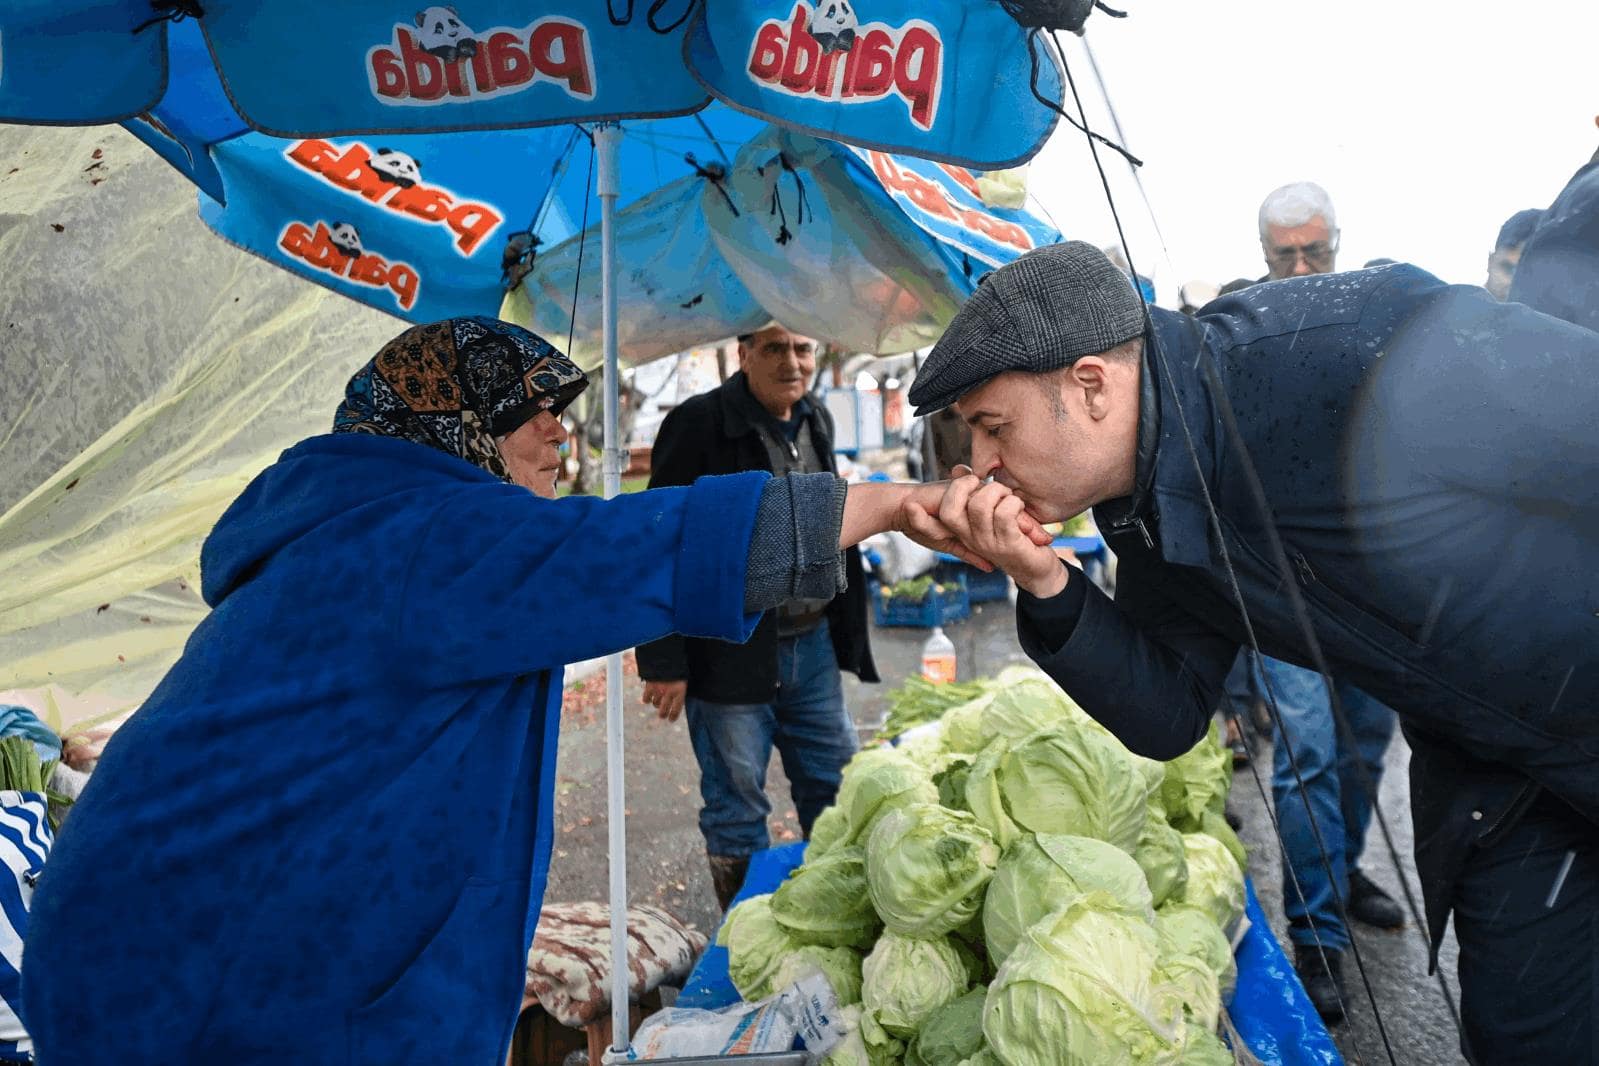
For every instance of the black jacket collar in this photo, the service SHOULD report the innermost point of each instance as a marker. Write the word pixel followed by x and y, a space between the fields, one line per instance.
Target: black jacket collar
pixel 742 413
pixel 1166 507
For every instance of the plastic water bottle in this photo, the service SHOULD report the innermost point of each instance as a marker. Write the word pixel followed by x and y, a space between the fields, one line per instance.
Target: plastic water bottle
pixel 938 657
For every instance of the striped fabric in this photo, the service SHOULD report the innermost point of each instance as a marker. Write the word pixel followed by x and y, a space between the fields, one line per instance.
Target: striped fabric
pixel 25 840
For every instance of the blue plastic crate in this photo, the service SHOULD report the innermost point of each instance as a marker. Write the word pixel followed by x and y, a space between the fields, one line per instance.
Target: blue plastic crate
pixel 937 609
pixel 986 588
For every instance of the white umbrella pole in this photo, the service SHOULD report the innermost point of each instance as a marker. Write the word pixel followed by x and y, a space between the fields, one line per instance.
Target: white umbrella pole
pixel 607 138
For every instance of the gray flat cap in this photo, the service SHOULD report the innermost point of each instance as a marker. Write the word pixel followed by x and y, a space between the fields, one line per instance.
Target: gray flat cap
pixel 1041 312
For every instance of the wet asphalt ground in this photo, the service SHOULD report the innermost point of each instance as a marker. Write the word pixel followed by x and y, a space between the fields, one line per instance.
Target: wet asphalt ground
pixel 666 857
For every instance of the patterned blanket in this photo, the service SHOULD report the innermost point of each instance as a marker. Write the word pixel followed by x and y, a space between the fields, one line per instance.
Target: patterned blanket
pixel 569 966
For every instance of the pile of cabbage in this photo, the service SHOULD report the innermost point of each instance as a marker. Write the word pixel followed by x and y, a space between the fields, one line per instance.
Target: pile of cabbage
pixel 1010 885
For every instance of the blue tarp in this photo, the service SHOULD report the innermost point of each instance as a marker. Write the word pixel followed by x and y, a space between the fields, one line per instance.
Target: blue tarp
pixel 1269 1007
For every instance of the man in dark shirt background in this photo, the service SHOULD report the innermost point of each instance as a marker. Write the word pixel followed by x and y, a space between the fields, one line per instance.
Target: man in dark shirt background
pixel 782 687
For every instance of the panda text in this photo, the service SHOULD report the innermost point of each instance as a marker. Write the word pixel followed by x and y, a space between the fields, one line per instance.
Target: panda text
pixel 348 167
pixel 906 61
pixel 554 50
pixel 314 246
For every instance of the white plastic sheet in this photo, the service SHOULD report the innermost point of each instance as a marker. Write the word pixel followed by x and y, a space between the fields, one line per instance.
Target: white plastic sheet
pixel 147 372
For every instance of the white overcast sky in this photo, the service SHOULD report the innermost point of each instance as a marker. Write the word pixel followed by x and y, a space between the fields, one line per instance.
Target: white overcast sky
pixel 1428 121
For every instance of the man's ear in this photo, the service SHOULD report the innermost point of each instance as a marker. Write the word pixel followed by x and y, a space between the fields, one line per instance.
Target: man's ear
pixel 1085 381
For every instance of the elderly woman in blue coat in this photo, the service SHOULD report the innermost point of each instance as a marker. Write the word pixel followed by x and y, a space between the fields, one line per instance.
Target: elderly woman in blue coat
pixel 324 838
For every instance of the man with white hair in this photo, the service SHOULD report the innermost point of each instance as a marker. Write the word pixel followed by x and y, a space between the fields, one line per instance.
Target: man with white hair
pixel 1317 774
pixel 1298 231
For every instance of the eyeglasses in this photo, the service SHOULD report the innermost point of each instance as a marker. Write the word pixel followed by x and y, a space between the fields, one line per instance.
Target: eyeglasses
pixel 1317 254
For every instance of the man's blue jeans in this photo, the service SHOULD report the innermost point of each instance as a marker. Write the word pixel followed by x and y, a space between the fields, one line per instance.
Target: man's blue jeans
pixel 1242 686
pixel 1335 792
pixel 733 743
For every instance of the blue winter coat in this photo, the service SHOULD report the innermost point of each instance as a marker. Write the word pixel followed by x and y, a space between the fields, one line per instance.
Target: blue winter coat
pixel 324 838
pixel 1431 458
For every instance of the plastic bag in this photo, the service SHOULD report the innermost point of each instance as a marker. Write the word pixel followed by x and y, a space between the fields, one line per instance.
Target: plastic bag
pixel 804 1015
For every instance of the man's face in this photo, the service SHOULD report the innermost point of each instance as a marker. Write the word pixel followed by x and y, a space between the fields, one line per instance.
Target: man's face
pixel 532 453
pixel 1062 442
pixel 1295 251
pixel 1502 270
pixel 778 365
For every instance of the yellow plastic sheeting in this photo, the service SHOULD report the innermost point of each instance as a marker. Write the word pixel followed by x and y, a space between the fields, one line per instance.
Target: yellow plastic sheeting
pixel 148 370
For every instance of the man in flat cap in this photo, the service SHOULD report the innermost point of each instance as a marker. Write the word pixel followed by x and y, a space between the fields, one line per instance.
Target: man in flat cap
pixel 1429 463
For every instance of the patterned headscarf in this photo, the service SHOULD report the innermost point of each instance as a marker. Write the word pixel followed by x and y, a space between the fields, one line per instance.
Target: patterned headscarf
pixel 458 384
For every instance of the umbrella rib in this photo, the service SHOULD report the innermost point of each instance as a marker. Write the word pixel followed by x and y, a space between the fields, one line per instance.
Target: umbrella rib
pixel 699 118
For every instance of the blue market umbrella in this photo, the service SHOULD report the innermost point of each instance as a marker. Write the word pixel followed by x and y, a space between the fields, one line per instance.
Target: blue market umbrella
pixel 868 250
pixel 721 216
pixel 920 76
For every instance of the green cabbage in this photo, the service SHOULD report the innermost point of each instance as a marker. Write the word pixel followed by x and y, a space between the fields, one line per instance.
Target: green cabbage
pixel 906 979
pixel 1024 706
pixel 827 832
pixel 841 967
pixel 1040 874
pixel 1215 881
pixel 756 947
pixel 976 966
pixel 927 868
pixel 1192 984
pixel 952 1035
pixel 1160 855
pixel 881 1045
pixel 825 901
pixel 950 780
pixel 1079 990
pixel 1215 825
pixel 1183 929
pixel 1075 781
pixel 1197 781
pixel 984 798
pixel 985 1057
pixel 1204 1048
pixel 923 746
pixel 877 781
pixel 864 1043
pixel 963 726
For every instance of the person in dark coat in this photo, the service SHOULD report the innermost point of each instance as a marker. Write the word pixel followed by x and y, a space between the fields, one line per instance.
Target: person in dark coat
pixel 1431 463
pixel 1508 246
pixel 782 686
pixel 1560 261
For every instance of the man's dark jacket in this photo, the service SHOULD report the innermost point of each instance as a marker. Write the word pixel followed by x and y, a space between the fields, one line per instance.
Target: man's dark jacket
pixel 1432 460
pixel 716 433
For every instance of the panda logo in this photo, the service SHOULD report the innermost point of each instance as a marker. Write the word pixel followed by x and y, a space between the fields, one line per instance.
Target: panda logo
pixel 396 168
pixel 343 236
pixel 833 24
pixel 443 34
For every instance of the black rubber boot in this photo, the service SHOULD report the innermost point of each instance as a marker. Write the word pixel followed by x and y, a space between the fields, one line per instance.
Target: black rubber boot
pixel 1372 905
pixel 1321 971
pixel 727 876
